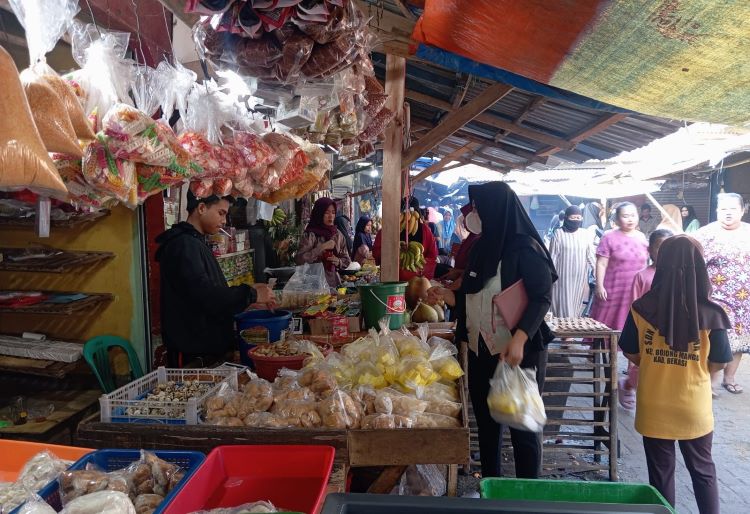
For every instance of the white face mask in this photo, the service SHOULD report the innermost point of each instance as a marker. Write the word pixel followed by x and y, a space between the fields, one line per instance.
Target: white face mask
pixel 473 223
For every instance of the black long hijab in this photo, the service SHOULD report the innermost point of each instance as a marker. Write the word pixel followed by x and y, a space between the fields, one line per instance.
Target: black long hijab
pixel 360 236
pixel 690 217
pixel 679 303
pixel 505 226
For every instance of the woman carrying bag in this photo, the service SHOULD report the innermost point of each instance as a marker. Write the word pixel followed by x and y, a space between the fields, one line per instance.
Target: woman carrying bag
pixel 509 249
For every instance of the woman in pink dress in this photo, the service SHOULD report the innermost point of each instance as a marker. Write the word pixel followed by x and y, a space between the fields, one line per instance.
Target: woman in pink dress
pixel 621 254
pixel 641 285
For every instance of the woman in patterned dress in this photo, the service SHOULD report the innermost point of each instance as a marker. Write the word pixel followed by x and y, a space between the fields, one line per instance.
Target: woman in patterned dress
pixel 726 244
pixel 621 254
pixel 572 252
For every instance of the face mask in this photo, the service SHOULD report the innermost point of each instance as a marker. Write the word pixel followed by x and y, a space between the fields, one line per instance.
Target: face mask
pixel 474 223
pixel 572 225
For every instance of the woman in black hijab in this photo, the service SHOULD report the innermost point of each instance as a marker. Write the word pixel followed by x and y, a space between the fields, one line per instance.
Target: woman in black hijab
pixel 362 248
pixel 509 249
pixel 677 336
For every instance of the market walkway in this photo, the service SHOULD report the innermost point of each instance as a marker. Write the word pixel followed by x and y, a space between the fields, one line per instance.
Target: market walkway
pixel 731 451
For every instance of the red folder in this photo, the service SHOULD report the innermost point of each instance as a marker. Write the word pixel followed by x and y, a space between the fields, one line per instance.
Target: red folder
pixel 510 304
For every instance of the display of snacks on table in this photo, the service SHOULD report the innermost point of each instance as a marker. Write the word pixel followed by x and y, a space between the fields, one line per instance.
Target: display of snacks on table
pixel 384 380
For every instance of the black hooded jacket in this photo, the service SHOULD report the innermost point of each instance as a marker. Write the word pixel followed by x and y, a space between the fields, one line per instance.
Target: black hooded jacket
pixel 197 305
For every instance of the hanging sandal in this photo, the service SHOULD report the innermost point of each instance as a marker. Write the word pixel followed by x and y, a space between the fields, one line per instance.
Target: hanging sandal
pixel 733 388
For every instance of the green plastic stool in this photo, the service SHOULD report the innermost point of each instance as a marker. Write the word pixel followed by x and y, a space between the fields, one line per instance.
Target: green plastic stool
pixel 96 353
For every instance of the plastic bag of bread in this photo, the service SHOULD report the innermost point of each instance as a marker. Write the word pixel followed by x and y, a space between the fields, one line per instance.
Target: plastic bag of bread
pixel 111 502
pixel 443 360
pixel 147 503
pixel 50 116
pixel 339 411
pixel 111 176
pixel 444 407
pixel 440 391
pixel 366 396
pixel 302 413
pixel 165 475
pixel 321 379
pixel 387 421
pixel 76 483
pixel 390 401
pixel 266 420
pixel 258 395
pixel 428 420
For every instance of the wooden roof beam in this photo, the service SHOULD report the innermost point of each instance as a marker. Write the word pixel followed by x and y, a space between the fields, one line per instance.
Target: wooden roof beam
pixel 479 153
pixel 456 119
pixel 420 124
pixel 494 121
pixel 401 4
pixel 444 161
pixel 589 130
pixel 530 107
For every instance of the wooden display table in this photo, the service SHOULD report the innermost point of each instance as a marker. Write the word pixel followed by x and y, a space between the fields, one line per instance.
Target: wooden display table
pixel 392 449
pixel 591 364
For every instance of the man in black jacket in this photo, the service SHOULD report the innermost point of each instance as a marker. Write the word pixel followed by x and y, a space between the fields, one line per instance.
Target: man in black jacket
pixel 197 305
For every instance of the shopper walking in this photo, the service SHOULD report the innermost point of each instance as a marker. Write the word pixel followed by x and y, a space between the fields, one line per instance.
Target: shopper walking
pixel 447 233
pixel 572 253
pixel 678 335
pixel 726 244
pixel 509 249
pixel 622 252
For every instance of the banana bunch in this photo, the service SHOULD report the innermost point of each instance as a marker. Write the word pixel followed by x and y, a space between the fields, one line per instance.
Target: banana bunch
pixel 409 222
pixel 278 218
pixel 412 257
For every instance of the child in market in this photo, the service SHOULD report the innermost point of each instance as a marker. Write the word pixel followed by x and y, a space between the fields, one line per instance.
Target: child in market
pixel 641 285
pixel 678 337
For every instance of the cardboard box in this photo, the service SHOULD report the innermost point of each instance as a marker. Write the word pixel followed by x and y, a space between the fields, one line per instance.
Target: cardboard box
pixel 322 327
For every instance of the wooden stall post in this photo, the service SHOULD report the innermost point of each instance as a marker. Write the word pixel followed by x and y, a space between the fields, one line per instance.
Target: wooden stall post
pixel 395 77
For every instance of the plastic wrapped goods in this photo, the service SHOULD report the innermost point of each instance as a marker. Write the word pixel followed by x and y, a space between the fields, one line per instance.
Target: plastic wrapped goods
pixel 291 160
pixel 24 162
pixel 514 399
pixel 111 502
pixel 50 116
pixel 109 175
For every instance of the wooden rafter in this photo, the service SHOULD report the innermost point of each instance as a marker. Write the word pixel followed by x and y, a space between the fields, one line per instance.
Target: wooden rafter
pixel 494 121
pixel 589 130
pixel 456 119
pixel 461 92
pixel 421 124
pixel 532 105
pixel 401 4
pixel 479 153
pixel 445 161
pixel 392 30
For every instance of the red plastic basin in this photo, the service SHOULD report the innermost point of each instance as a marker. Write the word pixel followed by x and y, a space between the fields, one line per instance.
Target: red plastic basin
pixel 269 367
pixel 293 478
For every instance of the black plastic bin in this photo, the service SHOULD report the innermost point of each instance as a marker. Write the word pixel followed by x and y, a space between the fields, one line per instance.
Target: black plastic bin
pixel 390 504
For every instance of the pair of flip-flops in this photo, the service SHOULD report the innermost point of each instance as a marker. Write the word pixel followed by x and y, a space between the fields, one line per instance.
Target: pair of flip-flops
pixel 733 388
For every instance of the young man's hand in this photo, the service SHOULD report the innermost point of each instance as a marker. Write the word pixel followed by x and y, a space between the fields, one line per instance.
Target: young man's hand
pixel 265 299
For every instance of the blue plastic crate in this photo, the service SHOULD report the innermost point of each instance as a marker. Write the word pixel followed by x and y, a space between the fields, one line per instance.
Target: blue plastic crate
pixel 112 460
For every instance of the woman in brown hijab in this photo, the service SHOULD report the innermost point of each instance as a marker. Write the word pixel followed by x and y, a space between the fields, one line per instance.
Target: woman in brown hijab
pixel 678 336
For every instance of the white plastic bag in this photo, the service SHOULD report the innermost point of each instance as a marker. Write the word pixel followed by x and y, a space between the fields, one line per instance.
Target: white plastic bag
pixel 45 21
pixel 514 399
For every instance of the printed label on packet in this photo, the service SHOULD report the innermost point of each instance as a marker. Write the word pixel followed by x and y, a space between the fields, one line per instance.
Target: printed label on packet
pixel 396 304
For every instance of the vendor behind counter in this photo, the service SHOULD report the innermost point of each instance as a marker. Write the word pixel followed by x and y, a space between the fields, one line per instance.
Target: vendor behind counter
pixel 323 242
pixel 197 305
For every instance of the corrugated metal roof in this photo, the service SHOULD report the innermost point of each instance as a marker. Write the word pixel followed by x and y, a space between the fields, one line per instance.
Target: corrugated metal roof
pixel 552 117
